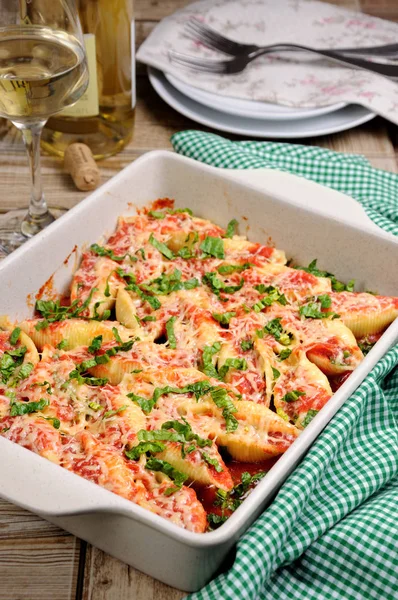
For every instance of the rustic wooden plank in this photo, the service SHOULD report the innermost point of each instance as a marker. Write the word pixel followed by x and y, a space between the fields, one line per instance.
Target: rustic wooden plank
pixel 384 9
pixel 38 561
pixel 106 578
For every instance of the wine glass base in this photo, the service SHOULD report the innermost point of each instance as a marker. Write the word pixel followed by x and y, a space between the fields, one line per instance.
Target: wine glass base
pixel 14 222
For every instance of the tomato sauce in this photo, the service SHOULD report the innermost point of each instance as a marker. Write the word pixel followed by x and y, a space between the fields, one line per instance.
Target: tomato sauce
pixel 207 495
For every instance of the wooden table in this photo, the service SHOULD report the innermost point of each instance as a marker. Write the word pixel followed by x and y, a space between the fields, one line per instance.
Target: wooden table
pixel 38 560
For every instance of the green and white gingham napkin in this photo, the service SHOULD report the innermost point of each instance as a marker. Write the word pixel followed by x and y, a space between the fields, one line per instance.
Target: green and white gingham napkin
pixel 332 531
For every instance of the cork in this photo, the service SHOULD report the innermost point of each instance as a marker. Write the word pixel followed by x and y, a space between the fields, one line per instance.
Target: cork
pixel 80 164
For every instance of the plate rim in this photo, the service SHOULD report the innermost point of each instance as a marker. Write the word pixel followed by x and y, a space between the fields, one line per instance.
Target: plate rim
pixel 205 97
pixel 155 78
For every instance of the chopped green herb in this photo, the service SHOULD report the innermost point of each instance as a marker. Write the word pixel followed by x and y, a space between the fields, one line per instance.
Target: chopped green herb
pixel 221 400
pixel 95 344
pixel 168 283
pixel 23 408
pixel 161 247
pixel 148 318
pixel 313 310
pixel 223 318
pixel 102 251
pixel 365 346
pixel 216 285
pixel 231 228
pixel 52 311
pixel 154 464
pixel 142 252
pixel 215 520
pixel 24 371
pixel 239 364
pixel 228 269
pixel 170 332
pixel 208 367
pixel 213 246
pixel 56 423
pixel 156 214
pixel 112 413
pixel 275 373
pixel 10 360
pixel 95 406
pixel 212 461
pixel 177 211
pixel 274 328
pixel 246 345
pixel 62 345
pixel 142 448
pixel 285 353
pixel 337 286
pixel 133 287
pixel 14 337
pixel 292 396
pixel 309 416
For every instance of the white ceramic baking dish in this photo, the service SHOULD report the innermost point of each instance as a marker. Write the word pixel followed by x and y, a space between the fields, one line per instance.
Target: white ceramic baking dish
pixel 179 558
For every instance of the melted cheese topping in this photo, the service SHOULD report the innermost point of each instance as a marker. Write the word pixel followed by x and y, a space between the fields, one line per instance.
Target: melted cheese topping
pixel 218 345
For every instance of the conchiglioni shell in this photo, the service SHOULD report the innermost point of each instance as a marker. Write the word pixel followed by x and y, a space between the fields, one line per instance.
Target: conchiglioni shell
pixel 347 342
pixel 371 322
pixel 76 332
pixel 198 472
pixel 104 270
pixel 126 312
pixel 252 440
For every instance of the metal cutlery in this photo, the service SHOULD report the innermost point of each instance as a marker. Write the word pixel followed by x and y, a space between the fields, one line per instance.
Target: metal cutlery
pixel 215 40
pixel 238 63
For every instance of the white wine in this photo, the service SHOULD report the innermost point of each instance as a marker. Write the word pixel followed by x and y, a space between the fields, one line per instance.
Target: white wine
pixel 103 119
pixel 42 71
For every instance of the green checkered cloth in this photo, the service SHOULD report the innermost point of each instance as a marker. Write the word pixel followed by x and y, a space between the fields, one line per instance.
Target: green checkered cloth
pixel 332 531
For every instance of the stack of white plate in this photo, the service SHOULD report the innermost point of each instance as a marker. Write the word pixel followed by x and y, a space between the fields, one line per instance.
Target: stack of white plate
pixel 250 118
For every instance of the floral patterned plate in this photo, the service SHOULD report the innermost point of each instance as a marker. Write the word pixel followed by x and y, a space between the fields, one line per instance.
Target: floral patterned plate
pixel 250 108
pixel 346 118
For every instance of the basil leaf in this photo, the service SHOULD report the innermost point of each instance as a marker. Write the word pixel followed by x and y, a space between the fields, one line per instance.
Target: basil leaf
pixel 231 228
pixel 213 246
pixel 95 406
pixel 154 464
pixel 325 300
pixel 177 211
pixel 62 345
pixel 56 423
pixel 161 247
pixel 95 344
pixel 223 318
pixel 284 354
pixel 133 287
pixel 221 400
pixel 18 409
pixel 14 337
pixel 156 214
pixel 112 413
pixel 102 251
pixel 168 283
pixel 337 286
pixel 212 461
pixel 309 416
pixel 215 520
pixel 25 371
pixel 246 345
pixel 274 328
pixel 275 373
pixel 52 311
pixel 207 364
pixel 228 269
pixel 292 396
pixel 10 360
pixel 144 447
pixel 214 282
pixel 170 332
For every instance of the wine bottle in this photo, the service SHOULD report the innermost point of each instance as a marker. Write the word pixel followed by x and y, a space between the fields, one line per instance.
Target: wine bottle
pixel 104 117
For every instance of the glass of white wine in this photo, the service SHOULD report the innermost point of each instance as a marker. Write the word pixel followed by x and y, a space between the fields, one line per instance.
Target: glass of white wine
pixel 43 70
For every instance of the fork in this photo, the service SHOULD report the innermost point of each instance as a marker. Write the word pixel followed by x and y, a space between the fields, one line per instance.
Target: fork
pixel 238 63
pixel 213 39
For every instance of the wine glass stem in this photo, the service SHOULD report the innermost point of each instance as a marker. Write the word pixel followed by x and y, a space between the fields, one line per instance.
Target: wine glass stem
pixel 38 216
